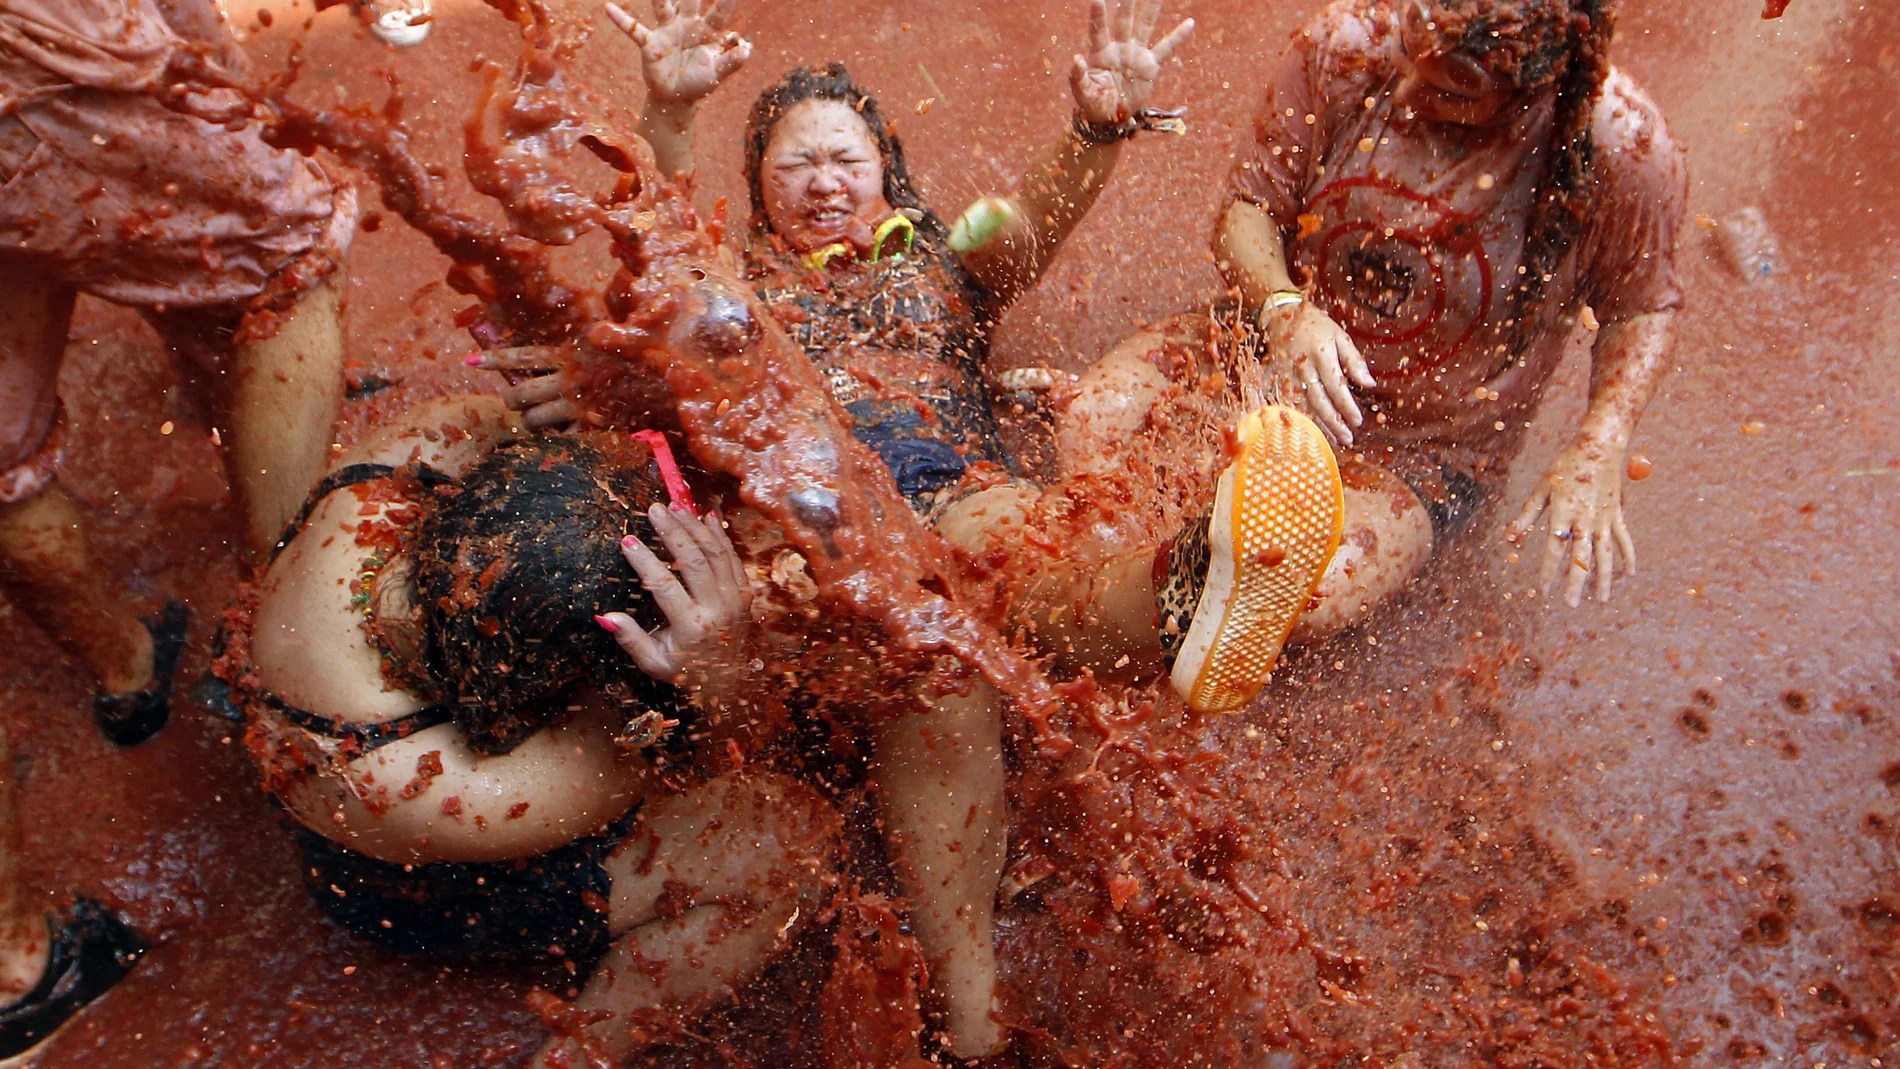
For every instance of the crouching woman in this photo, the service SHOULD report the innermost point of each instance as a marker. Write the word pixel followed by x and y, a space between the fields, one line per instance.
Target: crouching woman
pixel 472 765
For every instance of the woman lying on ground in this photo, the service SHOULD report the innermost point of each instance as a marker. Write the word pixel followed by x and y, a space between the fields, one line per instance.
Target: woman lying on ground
pixel 435 702
pixel 897 309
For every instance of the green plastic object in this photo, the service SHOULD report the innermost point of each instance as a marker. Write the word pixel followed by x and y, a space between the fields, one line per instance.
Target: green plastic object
pixel 980 223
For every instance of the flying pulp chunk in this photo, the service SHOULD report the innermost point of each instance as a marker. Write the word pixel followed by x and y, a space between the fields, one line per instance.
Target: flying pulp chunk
pixel 1748 246
pixel 402 23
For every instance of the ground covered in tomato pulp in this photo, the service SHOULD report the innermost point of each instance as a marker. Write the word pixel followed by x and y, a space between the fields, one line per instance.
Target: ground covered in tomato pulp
pixel 1480 830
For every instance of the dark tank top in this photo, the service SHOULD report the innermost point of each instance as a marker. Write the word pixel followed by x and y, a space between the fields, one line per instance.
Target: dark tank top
pixel 902 342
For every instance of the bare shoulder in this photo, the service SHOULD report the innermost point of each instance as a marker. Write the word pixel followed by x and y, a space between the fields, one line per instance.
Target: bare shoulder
pixel 1629 128
pixel 448 433
pixel 1348 32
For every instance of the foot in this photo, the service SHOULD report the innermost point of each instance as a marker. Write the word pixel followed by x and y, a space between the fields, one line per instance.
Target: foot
pixel 91 950
pixel 1238 579
pixel 129 719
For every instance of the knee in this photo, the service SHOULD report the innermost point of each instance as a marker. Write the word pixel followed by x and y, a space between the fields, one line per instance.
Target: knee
pixel 1386 542
pixel 794 816
pixel 988 518
pixel 1110 403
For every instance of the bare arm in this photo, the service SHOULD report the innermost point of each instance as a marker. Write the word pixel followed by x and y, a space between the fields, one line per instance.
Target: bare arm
pixel 1626 366
pixel 684 57
pixel 1051 198
pixel 1007 242
pixel 668 127
pixel 1251 254
pixel 1583 490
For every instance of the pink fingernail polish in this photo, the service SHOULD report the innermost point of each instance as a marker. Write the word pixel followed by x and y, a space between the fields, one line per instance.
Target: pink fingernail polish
pixel 606 625
pixel 628 542
pixel 473 360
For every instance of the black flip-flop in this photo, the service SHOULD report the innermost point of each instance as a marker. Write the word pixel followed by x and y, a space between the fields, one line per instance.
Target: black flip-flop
pixel 129 719
pixel 92 949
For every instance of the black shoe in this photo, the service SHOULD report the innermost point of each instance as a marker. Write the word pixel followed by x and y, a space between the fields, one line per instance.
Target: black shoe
pixel 92 950
pixel 129 719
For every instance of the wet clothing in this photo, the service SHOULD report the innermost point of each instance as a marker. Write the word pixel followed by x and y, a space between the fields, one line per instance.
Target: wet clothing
pixel 553 904
pixel 132 200
pixel 108 190
pixel 903 343
pixel 1452 483
pixel 137 202
pixel 1411 233
pixel 340 478
pixel 115 193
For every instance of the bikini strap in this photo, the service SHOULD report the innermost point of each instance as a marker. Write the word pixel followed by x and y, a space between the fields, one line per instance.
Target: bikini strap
pixel 368 736
pixel 343 477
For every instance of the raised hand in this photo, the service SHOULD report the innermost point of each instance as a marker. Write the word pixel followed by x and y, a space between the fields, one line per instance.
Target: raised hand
pixel 1114 81
pixel 689 50
pixel 708 604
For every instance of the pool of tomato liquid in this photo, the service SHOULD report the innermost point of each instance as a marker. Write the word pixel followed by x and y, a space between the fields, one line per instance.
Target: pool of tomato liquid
pixel 1482 829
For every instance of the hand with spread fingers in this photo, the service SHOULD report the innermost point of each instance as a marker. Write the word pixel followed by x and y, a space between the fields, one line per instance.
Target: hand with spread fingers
pixel 1583 496
pixel 690 49
pixel 707 602
pixel 1114 81
pixel 1326 363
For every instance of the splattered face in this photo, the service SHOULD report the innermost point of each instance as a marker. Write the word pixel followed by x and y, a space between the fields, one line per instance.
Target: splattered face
pixel 1440 81
pixel 822 175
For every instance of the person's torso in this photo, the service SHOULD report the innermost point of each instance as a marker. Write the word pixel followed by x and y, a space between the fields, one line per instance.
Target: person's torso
pixel 1412 237
pixel 902 344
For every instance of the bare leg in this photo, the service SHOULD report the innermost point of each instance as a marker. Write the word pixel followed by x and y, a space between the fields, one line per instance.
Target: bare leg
pixel 1387 539
pixel 710 884
pixel 1096 613
pixel 44 566
pixel 45 569
pixel 23 939
pixel 940 790
pixel 1111 406
pixel 279 400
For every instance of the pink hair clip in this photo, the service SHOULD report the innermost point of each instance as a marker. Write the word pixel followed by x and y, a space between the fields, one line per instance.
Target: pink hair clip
pixel 676 488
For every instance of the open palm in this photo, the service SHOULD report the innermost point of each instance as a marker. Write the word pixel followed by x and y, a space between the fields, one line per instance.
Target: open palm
pixel 689 51
pixel 1116 78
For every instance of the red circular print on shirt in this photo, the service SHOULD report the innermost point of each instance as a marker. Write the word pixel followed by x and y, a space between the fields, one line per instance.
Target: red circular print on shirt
pixel 1396 267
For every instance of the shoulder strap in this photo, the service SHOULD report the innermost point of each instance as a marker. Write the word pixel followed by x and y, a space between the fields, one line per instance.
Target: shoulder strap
pixel 347 476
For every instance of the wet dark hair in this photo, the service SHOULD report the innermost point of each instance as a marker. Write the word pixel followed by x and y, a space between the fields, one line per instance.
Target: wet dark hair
pixel 513 561
pixel 829 82
pixel 1534 43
